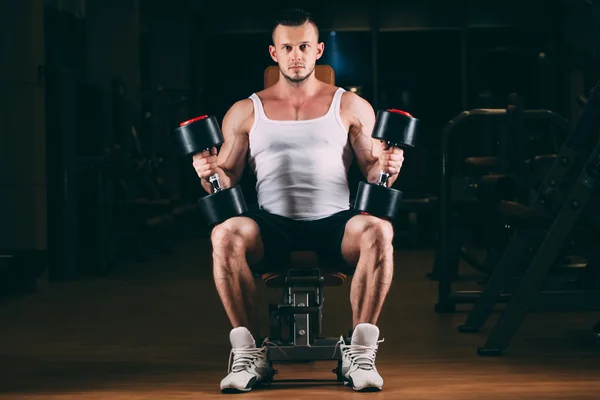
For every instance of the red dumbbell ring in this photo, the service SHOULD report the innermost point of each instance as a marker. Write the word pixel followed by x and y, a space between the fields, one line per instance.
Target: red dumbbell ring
pixel 400 112
pixel 189 121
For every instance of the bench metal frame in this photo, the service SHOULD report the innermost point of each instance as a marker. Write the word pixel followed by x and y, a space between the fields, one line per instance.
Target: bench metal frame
pixel 296 323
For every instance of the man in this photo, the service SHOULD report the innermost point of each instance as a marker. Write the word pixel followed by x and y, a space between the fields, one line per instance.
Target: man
pixel 299 137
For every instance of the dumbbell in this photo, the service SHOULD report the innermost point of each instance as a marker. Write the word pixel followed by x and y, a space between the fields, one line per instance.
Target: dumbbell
pixel 202 134
pixel 396 128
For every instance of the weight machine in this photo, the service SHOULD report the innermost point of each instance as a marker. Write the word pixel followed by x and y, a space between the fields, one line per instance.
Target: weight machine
pixel 565 203
pixel 504 177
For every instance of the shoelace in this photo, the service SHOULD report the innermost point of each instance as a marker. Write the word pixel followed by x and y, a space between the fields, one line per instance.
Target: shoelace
pixel 241 358
pixel 247 355
pixel 363 356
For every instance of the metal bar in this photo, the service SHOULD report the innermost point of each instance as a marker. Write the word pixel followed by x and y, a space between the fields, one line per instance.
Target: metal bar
pixel 441 269
pixel 556 119
pixel 290 309
pixel 496 284
pixel 323 349
pixel 301 320
pixel 502 334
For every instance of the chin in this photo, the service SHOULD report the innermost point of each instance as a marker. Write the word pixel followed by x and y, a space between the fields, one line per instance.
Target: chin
pixel 296 78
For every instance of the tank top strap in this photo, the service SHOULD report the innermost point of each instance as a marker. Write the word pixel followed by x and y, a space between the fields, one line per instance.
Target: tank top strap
pixel 336 105
pixel 337 99
pixel 259 112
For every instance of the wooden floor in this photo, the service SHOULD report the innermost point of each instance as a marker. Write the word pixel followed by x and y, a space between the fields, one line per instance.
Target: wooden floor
pixel 157 331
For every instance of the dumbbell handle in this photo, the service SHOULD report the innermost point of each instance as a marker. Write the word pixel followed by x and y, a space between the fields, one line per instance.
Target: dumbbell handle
pixel 215 182
pixel 214 178
pixel 384 176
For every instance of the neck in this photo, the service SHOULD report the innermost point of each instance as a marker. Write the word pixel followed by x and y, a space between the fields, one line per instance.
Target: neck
pixel 307 88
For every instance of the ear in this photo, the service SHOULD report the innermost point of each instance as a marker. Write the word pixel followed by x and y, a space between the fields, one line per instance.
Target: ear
pixel 273 53
pixel 320 50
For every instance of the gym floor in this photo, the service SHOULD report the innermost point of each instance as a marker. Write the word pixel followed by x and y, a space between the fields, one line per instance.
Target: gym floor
pixel 157 331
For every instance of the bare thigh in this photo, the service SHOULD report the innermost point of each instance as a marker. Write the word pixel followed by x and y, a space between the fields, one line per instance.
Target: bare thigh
pixel 239 231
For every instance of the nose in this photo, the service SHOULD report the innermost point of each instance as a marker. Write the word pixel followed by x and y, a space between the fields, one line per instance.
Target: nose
pixel 296 54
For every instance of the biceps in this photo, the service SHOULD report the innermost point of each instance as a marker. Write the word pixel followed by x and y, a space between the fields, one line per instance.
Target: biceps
pixel 363 146
pixel 232 155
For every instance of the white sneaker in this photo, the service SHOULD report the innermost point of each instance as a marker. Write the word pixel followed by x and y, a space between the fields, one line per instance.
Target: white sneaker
pixel 248 365
pixel 358 358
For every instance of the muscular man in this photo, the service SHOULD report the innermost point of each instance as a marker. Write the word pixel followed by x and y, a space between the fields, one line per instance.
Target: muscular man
pixel 299 137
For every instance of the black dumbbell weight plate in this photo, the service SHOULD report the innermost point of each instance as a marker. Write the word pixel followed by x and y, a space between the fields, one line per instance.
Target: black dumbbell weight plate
pixel 227 203
pixel 198 134
pixel 395 127
pixel 377 200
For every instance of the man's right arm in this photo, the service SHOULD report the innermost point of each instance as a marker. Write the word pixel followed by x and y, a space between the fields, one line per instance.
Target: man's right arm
pixel 232 155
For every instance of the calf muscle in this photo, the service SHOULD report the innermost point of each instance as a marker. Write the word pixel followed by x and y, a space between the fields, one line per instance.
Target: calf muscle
pixel 234 241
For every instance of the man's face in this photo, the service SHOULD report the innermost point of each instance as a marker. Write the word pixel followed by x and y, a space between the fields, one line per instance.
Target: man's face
pixel 296 51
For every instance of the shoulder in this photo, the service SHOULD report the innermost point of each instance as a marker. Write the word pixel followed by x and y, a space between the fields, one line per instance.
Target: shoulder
pixel 242 107
pixel 353 102
pixel 356 109
pixel 240 116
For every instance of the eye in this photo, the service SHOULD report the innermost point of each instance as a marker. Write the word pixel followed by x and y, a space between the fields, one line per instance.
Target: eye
pixel 303 46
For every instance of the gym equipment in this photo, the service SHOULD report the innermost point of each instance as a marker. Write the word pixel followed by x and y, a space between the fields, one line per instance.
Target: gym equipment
pixel 554 216
pixel 488 188
pixel 202 134
pixel 143 208
pixel 511 162
pixel 295 324
pixel 395 128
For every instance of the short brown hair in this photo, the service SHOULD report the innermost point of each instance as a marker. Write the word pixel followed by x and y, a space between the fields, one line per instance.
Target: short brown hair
pixel 293 17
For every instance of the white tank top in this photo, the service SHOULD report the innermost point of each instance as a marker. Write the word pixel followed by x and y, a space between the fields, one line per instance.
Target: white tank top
pixel 301 167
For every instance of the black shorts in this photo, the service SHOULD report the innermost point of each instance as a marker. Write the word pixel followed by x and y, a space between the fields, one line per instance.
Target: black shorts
pixel 282 235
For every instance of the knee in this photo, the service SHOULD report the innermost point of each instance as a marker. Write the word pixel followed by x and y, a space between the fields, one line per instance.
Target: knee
pixel 233 235
pixel 376 232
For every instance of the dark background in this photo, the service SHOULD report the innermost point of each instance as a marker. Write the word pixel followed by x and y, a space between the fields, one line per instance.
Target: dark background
pixel 77 75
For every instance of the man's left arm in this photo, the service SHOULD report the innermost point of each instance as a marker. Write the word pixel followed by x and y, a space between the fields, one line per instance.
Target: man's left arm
pixel 371 154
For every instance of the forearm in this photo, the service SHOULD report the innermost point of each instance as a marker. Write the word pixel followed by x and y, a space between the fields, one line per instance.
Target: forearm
pixel 374 172
pixel 225 181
